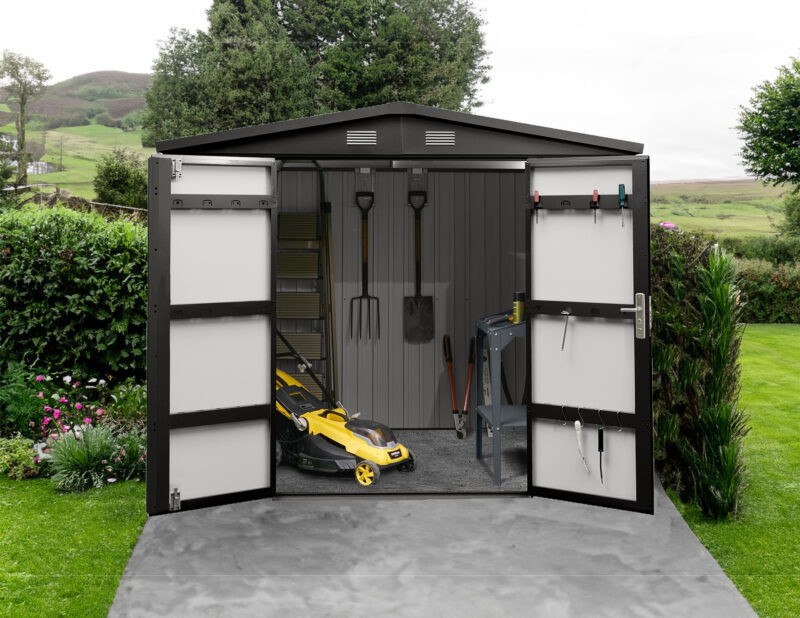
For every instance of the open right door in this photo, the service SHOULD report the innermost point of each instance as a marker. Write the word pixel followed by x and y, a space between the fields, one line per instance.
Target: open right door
pixel 590 411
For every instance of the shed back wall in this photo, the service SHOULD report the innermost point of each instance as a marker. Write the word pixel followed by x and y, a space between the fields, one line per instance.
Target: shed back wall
pixel 473 259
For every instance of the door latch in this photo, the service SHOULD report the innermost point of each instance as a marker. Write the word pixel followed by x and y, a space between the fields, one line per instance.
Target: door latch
pixel 640 325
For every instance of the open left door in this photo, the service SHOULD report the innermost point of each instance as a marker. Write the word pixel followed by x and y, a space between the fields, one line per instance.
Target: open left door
pixel 210 339
pixel 590 416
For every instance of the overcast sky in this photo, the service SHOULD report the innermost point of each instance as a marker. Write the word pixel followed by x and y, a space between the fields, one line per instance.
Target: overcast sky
pixel 671 75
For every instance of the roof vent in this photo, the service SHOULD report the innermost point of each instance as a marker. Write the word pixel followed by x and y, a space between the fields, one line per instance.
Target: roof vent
pixel 362 138
pixel 440 138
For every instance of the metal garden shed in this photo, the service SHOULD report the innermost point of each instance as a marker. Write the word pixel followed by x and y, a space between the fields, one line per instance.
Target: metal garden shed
pixel 260 226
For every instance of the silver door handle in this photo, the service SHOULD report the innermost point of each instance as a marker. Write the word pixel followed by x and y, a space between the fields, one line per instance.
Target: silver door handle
pixel 639 315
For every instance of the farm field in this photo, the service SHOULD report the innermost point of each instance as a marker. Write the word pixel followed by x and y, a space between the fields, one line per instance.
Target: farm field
pixel 82 148
pixel 725 208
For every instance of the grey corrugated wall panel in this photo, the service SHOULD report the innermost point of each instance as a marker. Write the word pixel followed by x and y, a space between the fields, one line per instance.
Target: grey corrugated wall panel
pixel 473 251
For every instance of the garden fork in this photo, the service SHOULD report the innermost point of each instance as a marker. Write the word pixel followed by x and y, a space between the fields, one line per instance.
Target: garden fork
pixel 364 201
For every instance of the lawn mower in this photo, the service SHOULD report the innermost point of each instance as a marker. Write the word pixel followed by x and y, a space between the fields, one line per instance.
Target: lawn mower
pixel 325 438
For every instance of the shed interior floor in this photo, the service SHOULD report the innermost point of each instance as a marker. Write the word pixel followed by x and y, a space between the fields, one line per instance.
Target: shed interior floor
pixel 445 464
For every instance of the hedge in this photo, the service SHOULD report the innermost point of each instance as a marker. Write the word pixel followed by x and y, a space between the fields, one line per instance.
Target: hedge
pixel 775 249
pixel 770 293
pixel 698 427
pixel 73 292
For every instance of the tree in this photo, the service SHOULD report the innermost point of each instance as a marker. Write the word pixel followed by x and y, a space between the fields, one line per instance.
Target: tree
pixel 243 71
pixel 267 60
pixel 121 178
pixel 791 212
pixel 24 79
pixel 770 128
pixel 6 171
pixel 367 52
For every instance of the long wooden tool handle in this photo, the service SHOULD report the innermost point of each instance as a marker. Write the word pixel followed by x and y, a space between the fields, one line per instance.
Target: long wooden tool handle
pixel 470 370
pixel 448 359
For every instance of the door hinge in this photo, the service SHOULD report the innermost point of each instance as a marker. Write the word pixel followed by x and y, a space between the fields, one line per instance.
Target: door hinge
pixel 175 500
pixel 177 166
pixel 640 325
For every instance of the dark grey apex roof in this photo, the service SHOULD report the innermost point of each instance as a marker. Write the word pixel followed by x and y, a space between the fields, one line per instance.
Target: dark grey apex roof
pixel 398 131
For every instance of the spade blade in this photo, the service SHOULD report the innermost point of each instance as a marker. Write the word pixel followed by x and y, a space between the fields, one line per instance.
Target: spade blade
pixel 418 323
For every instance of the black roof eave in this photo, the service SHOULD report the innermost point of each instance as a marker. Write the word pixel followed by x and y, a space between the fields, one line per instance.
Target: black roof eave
pixel 244 134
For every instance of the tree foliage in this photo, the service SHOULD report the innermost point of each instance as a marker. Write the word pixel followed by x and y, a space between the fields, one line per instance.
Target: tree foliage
pixel 770 128
pixel 367 52
pixel 791 212
pixel 24 79
pixel 243 71
pixel 267 60
pixel 121 178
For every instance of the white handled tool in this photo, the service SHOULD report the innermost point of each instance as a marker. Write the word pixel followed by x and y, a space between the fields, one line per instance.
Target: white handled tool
pixel 580 447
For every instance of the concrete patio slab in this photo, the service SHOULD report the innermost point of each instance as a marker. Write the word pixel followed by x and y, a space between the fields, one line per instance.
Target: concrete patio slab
pixel 487 556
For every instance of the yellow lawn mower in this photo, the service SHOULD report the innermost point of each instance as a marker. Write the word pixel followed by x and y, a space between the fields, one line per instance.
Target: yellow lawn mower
pixel 325 438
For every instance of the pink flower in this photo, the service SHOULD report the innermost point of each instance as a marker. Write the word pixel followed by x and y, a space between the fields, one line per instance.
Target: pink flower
pixel 79 406
pixel 87 420
pixel 64 428
pixel 39 378
pixel 46 420
pixel 667 225
pixel 63 400
pixel 48 409
pixel 40 395
pixel 100 411
pixel 56 413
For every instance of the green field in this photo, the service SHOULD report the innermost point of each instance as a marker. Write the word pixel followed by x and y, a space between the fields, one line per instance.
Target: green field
pixel 760 550
pixel 79 149
pixel 64 554
pixel 725 208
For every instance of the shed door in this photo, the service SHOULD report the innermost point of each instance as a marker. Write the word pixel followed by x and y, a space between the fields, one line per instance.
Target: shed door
pixel 210 331
pixel 589 327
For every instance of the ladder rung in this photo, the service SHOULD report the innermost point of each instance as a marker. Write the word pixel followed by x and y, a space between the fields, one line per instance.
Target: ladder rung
pixel 308 345
pixel 296 265
pixel 309 384
pixel 298 305
pixel 298 226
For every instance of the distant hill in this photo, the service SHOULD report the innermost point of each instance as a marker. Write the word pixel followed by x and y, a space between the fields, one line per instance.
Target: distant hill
pixel 111 98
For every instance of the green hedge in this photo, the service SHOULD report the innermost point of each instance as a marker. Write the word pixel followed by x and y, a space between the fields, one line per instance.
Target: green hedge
pixel 775 249
pixel 73 292
pixel 698 427
pixel 770 292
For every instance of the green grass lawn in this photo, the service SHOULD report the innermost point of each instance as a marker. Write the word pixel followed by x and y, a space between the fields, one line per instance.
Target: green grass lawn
pixel 760 551
pixel 64 554
pixel 730 208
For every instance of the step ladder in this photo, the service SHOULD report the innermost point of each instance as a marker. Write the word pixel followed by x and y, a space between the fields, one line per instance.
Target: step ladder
pixel 301 303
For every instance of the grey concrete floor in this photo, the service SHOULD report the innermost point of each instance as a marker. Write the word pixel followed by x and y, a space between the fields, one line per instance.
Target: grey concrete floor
pixel 445 464
pixel 441 557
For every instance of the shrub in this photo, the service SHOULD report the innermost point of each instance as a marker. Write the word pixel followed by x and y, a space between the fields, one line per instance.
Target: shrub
pixel 17 457
pixel 775 249
pixel 791 213
pixel 698 426
pixel 73 292
pixel 121 178
pixel 20 408
pixel 126 409
pixel 81 461
pixel 771 293
pixel 130 456
pixel 68 405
